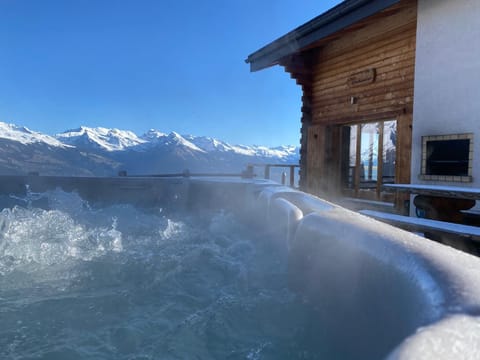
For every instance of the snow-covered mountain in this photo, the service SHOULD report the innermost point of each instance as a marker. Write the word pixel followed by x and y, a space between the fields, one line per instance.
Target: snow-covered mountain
pixel 100 138
pixel 102 151
pixel 26 136
pixel 23 151
pixel 157 138
pixel 209 144
pixel 120 140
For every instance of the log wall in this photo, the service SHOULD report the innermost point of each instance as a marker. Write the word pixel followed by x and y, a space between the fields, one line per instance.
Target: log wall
pixel 365 73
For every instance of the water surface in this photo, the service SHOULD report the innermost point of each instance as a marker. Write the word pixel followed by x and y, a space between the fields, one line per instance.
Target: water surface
pixel 80 282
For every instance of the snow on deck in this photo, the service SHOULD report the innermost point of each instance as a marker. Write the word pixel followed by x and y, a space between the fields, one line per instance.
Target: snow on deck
pixel 424 224
pixel 436 190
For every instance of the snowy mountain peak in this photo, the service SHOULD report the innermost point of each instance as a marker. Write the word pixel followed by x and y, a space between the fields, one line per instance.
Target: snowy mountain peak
pixel 153 134
pixel 26 136
pixel 177 139
pixel 174 134
pixel 209 144
pixel 100 137
pixel 155 138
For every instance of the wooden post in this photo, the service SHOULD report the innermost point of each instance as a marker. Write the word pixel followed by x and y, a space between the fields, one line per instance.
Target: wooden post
pixel 316 159
pixel 292 176
pixel 267 172
pixel 403 161
pixel 358 159
pixel 380 160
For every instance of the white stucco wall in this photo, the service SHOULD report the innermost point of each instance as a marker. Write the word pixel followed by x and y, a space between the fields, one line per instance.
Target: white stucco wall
pixel 447 76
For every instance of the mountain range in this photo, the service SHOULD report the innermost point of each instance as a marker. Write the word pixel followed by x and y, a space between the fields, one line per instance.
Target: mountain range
pixel 103 152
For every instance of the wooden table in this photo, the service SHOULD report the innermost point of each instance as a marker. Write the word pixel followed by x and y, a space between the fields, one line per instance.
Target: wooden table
pixel 439 202
pixel 436 190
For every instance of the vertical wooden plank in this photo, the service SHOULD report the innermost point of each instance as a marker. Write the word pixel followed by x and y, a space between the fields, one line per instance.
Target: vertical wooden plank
pixel 333 158
pixel 315 158
pixel 404 146
pixel 380 160
pixel 404 150
pixel 267 172
pixel 345 156
pixel 358 152
pixel 292 176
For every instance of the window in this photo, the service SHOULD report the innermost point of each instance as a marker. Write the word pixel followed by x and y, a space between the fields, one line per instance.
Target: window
pixel 371 149
pixel 447 157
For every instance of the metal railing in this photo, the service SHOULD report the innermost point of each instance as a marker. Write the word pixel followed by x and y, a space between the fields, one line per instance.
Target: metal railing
pixel 268 167
pixel 248 173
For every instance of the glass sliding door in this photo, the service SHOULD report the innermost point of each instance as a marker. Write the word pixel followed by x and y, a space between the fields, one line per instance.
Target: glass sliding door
pixel 369 155
pixel 389 153
pixel 371 149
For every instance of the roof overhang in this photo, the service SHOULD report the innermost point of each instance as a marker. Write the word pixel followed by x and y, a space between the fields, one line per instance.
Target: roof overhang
pixel 336 19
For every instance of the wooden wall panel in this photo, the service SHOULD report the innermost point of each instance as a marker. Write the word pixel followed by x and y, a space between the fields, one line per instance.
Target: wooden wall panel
pixel 315 159
pixel 404 158
pixel 388 47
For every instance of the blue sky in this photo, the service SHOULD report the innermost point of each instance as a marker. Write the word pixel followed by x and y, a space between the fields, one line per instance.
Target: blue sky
pixel 172 65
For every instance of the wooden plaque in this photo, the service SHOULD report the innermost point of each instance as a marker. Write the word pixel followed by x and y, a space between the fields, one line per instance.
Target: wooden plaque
pixel 362 78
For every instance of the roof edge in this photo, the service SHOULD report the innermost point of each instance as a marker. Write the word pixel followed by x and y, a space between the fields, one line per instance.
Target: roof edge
pixel 337 18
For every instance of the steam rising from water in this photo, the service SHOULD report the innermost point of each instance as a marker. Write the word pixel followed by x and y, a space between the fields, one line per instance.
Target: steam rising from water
pixel 80 282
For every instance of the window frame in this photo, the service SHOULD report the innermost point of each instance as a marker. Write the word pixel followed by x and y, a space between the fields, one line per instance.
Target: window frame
pixel 355 189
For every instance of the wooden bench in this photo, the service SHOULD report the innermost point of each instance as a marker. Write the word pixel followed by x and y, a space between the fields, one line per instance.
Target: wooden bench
pixel 424 225
pixel 358 204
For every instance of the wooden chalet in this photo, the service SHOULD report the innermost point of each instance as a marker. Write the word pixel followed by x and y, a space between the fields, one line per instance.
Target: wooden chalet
pixel 356 65
pixel 390 111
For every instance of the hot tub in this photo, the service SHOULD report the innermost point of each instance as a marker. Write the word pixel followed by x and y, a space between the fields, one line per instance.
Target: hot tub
pixel 312 281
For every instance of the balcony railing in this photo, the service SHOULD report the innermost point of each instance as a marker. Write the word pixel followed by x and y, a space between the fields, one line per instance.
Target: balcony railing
pixel 249 173
pixel 268 168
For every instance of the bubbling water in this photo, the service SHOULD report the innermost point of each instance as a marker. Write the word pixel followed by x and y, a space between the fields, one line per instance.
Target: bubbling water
pixel 79 282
